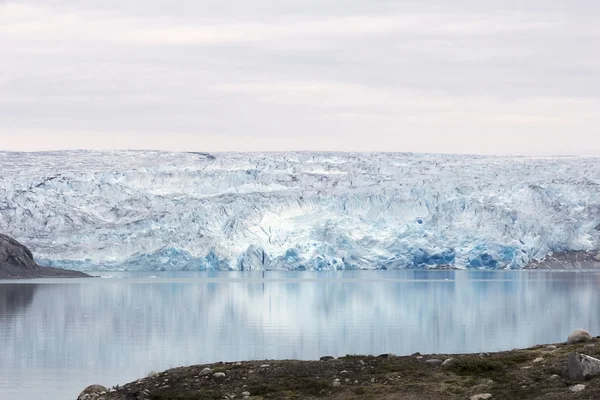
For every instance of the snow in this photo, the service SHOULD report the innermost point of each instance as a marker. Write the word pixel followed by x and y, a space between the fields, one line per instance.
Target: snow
pixel 192 211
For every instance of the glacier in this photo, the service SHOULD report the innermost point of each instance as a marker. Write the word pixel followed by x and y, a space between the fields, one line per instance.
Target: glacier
pixel 153 210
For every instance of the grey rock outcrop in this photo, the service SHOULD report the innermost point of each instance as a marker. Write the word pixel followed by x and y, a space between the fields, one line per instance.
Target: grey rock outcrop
pixel 14 254
pixel 568 260
pixel 582 367
pixel 16 261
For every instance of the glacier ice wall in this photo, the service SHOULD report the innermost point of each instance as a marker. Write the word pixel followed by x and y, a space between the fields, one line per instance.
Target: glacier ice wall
pixel 193 211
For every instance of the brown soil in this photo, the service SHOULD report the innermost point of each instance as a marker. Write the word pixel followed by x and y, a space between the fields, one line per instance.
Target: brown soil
pixel 516 374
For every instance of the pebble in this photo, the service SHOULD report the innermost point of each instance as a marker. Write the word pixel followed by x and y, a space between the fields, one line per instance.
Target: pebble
pixel 344 372
pixel 577 388
pixel 246 394
pixel 336 383
pixel 554 377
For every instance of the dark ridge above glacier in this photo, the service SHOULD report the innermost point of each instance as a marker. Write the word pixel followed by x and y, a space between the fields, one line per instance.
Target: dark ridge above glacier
pixel 193 211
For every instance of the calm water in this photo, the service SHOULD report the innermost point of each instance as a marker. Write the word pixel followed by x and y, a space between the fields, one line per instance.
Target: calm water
pixel 58 336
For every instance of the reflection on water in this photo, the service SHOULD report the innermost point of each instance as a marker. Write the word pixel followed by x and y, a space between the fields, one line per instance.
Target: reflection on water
pixel 59 336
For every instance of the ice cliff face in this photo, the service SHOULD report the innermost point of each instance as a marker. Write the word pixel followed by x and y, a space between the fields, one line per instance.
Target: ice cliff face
pixel 193 211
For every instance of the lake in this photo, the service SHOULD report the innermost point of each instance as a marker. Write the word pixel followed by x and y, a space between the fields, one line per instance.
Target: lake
pixel 58 336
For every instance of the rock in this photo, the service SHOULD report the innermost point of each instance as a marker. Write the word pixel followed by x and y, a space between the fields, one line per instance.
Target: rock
pixel 246 394
pixel 450 362
pixel 483 354
pixel 265 366
pixel 205 371
pixel 361 362
pixel 219 375
pixel 577 388
pixel 537 360
pixel 383 355
pixel 16 261
pixel 344 372
pixel 554 377
pixel 356 382
pixel 579 336
pixel 434 362
pixel 581 367
pixel 550 348
pixel 327 358
pixel 481 396
pixel 336 383
pixel 92 391
pixel 347 380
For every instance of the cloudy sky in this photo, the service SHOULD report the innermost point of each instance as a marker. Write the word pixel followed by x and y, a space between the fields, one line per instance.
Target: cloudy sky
pixel 461 76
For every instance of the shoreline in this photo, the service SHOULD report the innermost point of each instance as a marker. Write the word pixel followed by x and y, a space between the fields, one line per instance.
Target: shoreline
pixel 532 373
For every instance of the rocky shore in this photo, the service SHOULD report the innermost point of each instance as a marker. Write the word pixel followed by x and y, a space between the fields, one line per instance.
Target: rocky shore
pixel 569 370
pixel 16 262
pixel 568 260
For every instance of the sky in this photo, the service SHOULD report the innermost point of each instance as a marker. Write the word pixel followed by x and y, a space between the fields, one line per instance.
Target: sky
pixel 461 76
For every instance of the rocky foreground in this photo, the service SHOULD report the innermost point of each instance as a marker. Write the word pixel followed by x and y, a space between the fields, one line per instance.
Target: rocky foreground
pixel 562 371
pixel 16 262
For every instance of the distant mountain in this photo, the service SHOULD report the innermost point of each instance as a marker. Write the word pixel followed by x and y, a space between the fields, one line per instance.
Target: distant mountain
pixel 16 261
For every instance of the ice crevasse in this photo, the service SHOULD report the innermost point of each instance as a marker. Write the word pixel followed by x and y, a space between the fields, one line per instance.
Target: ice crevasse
pixel 116 210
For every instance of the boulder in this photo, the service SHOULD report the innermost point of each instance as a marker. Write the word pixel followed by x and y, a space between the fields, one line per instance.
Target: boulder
pixel 481 396
pixel 581 367
pixel 92 392
pixel 450 362
pixel 327 358
pixel 434 362
pixel 577 388
pixel 579 336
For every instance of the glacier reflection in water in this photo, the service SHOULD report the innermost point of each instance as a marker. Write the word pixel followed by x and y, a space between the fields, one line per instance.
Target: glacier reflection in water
pixel 56 337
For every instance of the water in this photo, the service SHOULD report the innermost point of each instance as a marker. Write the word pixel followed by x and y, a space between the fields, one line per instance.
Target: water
pixel 58 336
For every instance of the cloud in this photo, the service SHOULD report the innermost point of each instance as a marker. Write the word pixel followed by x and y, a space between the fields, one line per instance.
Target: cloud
pixel 427 76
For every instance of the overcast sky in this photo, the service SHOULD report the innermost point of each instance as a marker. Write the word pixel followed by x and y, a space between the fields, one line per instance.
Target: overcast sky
pixel 460 76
